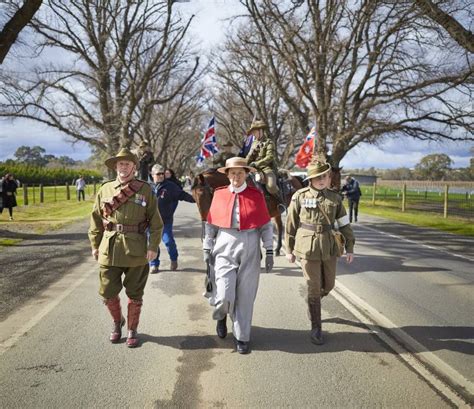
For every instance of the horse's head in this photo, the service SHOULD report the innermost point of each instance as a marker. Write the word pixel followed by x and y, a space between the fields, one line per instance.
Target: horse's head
pixel 202 194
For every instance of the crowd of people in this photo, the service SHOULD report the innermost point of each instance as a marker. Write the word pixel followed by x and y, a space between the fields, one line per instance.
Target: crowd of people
pixel 126 242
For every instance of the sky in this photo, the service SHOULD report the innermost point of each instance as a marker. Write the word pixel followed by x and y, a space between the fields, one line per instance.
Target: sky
pixel 209 26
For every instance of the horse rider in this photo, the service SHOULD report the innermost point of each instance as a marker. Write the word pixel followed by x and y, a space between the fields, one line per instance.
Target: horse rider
pixel 262 156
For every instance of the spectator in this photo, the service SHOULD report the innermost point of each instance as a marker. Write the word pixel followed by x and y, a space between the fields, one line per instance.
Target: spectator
pixel 80 186
pixel 145 158
pixel 9 187
pixel 171 176
pixel 1 194
pixel 351 190
pixel 168 195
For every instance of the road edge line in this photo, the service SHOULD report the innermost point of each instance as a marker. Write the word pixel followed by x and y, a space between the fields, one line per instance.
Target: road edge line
pixel 426 364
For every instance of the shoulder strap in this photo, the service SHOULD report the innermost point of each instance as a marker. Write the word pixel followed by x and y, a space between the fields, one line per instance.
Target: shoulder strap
pixel 324 214
pixel 122 197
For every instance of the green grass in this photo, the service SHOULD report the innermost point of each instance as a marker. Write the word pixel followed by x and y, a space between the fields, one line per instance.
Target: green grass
pixel 423 219
pixel 8 242
pixel 51 194
pixel 44 217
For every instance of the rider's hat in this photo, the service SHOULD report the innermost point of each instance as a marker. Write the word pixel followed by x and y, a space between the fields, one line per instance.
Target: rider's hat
pixel 124 154
pixel 236 162
pixel 257 124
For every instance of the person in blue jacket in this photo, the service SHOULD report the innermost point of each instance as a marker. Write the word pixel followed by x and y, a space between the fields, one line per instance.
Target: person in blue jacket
pixel 351 190
pixel 168 194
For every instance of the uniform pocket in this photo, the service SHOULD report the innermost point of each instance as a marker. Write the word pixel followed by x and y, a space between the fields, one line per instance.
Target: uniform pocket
pixel 304 242
pixel 135 245
pixel 106 242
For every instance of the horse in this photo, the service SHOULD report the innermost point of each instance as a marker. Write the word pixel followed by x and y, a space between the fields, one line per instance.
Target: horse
pixel 206 182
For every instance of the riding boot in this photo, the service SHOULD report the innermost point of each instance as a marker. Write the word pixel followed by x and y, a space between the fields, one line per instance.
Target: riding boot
pixel 113 305
pixel 134 309
pixel 314 307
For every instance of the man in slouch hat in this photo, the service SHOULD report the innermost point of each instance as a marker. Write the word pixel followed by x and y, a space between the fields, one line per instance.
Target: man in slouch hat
pixel 123 210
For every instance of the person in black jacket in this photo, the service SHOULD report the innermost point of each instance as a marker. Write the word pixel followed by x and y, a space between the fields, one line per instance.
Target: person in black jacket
pixel 9 187
pixel 168 194
pixel 351 190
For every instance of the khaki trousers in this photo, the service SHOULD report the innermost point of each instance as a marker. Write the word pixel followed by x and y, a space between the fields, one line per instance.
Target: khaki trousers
pixel 134 281
pixel 271 182
pixel 320 276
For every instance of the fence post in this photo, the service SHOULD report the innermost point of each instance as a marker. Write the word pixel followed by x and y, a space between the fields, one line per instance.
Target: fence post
pixel 34 195
pixel 374 188
pixel 41 193
pixel 95 188
pixel 25 194
pixel 55 197
pixel 68 192
pixel 445 210
pixel 404 197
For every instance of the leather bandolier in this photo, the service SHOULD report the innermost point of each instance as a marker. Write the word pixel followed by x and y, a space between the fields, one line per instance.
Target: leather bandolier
pixel 117 201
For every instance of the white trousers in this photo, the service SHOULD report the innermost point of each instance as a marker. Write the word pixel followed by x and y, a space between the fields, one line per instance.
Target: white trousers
pixel 237 271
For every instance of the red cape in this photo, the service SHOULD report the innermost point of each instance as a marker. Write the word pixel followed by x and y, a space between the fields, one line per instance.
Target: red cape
pixel 252 206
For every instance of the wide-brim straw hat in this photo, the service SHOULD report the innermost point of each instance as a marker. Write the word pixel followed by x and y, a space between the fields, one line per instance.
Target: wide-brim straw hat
pixel 236 162
pixel 257 125
pixel 317 168
pixel 124 154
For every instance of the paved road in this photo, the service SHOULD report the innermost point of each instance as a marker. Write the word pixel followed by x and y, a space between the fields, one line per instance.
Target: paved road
pixel 55 353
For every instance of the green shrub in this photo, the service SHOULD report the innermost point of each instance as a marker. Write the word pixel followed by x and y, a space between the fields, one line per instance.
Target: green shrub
pixel 48 176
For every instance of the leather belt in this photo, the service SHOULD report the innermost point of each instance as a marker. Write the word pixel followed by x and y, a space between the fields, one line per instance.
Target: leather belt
pixel 126 228
pixel 318 228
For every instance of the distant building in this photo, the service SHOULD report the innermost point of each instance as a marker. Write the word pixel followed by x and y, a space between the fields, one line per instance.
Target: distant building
pixel 363 179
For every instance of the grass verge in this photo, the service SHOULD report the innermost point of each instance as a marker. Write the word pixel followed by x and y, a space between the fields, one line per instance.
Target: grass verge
pixel 38 219
pixel 423 219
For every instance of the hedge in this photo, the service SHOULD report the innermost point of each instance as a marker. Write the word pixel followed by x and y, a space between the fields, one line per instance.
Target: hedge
pixel 48 176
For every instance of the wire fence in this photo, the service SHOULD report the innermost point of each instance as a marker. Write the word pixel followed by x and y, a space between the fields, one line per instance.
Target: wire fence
pixel 450 199
pixel 28 195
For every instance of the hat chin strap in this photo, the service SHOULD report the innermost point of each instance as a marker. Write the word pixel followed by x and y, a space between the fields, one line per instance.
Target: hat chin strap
pixel 126 178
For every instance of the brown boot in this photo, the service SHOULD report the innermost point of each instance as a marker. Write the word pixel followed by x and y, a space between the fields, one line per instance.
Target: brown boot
pixel 113 305
pixel 134 309
pixel 314 307
pixel 174 265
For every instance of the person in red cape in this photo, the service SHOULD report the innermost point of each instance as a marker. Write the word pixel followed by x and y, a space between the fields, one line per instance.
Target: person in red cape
pixel 238 219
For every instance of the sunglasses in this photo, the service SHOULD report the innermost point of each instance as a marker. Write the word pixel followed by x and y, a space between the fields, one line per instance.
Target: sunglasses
pixel 159 173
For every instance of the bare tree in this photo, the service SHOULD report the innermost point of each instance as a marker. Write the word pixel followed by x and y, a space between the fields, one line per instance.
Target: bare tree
pixel 463 36
pixel 112 52
pixel 18 21
pixel 246 89
pixel 366 70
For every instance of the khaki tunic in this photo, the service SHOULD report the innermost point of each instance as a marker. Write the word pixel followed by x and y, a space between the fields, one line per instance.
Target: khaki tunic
pixel 317 249
pixel 262 155
pixel 312 245
pixel 125 249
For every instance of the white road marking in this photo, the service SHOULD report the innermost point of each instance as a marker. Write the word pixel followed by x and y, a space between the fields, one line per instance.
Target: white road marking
pixel 410 350
pixel 53 295
pixel 416 242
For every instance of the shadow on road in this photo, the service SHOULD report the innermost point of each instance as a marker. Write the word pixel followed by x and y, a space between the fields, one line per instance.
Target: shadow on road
pixel 458 339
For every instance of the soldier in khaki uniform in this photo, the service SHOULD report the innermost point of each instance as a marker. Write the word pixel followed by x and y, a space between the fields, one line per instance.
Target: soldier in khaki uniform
pixel 262 156
pixel 123 210
pixel 308 237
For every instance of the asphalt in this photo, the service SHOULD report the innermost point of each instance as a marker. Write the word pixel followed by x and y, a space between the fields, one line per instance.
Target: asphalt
pixel 55 351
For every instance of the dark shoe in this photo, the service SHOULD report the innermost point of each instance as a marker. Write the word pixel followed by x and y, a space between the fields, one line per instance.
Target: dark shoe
pixel 116 333
pixel 154 270
pixel 317 336
pixel 221 327
pixel 243 347
pixel 132 339
pixel 174 265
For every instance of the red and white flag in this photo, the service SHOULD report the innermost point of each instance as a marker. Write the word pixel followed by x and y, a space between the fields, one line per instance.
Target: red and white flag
pixel 306 150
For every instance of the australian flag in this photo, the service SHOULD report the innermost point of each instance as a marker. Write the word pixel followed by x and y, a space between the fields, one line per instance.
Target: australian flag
pixel 208 143
pixel 244 150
